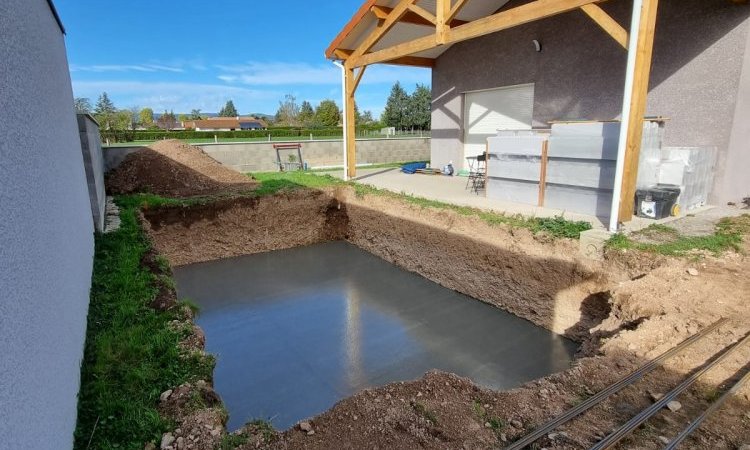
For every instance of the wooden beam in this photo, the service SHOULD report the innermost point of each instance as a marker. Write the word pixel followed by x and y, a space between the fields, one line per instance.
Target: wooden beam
pixel 413 61
pixel 641 76
pixel 543 173
pixel 381 12
pixel 351 129
pixel 510 18
pixel 358 78
pixel 607 23
pixel 423 13
pixel 383 27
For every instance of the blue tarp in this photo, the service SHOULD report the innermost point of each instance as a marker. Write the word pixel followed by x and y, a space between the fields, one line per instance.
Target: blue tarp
pixel 412 168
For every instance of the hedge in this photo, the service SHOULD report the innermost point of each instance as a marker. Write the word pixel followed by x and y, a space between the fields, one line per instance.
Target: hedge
pixel 150 135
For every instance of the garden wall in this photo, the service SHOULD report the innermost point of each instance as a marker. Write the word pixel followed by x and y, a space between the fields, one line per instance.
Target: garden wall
pixel 261 156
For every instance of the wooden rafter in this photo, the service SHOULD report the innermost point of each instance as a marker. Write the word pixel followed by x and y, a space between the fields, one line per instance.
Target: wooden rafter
pixel 358 78
pixel 510 18
pixel 381 12
pixel 383 27
pixel 608 24
pixel 423 13
pixel 414 61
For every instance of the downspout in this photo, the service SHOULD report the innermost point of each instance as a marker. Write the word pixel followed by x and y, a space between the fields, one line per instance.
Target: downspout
pixel 346 128
pixel 635 26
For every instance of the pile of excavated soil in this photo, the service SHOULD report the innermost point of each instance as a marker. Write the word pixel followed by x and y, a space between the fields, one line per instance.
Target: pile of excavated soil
pixel 625 311
pixel 175 169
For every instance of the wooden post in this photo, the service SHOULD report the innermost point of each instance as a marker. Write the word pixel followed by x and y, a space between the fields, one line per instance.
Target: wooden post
pixel 543 173
pixel 351 153
pixel 442 27
pixel 634 132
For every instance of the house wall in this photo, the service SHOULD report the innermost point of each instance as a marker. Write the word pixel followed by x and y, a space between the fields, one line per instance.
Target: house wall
pixel 46 233
pixel 734 183
pixel 579 74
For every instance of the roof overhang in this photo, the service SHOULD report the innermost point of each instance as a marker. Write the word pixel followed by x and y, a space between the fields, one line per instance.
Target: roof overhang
pixel 416 32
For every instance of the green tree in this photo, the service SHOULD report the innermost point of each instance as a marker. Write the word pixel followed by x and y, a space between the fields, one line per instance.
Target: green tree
pixel 183 118
pixel 306 114
pixel 328 114
pixel 167 121
pixel 82 105
pixel 104 112
pixel 419 109
pixel 367 117
pixel 196 114
pixel 288 112
pixel 104 105
pixel 228 110
pixel 146 117
pixel 395 112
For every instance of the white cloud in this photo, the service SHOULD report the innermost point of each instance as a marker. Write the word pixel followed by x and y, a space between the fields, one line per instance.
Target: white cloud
pixel 180 97
pixel 100 68
pixel 256 73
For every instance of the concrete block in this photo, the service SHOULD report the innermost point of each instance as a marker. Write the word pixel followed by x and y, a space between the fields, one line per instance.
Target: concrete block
pixel 591 244
pixel 591 173
pixel 513 190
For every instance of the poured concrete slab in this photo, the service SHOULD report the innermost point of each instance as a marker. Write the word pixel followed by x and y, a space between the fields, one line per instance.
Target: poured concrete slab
pixel 297 330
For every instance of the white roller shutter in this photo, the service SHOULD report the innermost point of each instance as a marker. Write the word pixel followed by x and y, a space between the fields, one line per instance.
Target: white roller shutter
pixel 486 112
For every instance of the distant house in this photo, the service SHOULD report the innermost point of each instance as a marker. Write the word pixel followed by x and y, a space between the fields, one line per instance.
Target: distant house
pixel 225 124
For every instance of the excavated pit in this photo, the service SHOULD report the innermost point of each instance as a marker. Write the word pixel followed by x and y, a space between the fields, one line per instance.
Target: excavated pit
pixel 297 330
pixel 256 301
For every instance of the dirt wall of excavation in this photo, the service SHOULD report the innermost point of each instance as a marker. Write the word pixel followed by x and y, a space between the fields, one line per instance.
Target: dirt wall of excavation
pixel 539 279
pixel 243 226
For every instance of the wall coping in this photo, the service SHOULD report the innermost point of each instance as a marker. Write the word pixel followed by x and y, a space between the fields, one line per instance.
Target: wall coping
pixel 410 138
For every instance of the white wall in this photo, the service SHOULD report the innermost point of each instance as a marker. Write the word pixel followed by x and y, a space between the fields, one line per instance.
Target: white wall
pixel 46 233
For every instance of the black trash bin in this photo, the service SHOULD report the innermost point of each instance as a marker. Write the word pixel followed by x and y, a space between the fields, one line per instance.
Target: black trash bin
pixel 657 202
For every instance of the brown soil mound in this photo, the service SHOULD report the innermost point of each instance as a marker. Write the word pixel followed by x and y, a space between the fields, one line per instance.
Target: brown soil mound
pixel 175 169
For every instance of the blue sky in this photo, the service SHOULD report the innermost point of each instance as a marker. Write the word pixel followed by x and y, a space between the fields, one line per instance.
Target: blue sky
pixel 181 55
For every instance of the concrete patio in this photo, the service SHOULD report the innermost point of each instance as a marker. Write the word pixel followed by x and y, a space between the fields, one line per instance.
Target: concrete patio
pixel 453 190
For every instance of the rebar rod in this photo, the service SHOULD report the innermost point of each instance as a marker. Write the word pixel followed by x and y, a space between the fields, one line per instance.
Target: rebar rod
pixel 613 389
pixel 647 413
pixel 695 424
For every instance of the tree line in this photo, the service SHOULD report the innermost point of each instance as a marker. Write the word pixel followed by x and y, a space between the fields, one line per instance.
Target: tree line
pixel 402 111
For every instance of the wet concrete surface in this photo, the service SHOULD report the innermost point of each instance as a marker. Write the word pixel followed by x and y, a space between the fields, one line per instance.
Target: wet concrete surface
pixel 295 331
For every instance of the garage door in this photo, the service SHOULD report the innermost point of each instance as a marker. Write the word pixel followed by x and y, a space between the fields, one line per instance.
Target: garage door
pixel 486 112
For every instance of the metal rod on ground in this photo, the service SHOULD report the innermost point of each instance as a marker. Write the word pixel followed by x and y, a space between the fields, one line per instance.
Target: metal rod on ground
pixel 647 413
pixel 613 389
pixel 711 409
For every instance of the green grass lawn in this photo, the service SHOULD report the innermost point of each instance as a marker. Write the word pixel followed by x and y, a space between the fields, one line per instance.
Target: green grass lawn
pixel 131 356
pixel 729 234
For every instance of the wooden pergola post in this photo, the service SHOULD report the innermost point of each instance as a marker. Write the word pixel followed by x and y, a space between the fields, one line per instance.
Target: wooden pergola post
pixel 351 82
pixel 351 128
pixel 639 95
